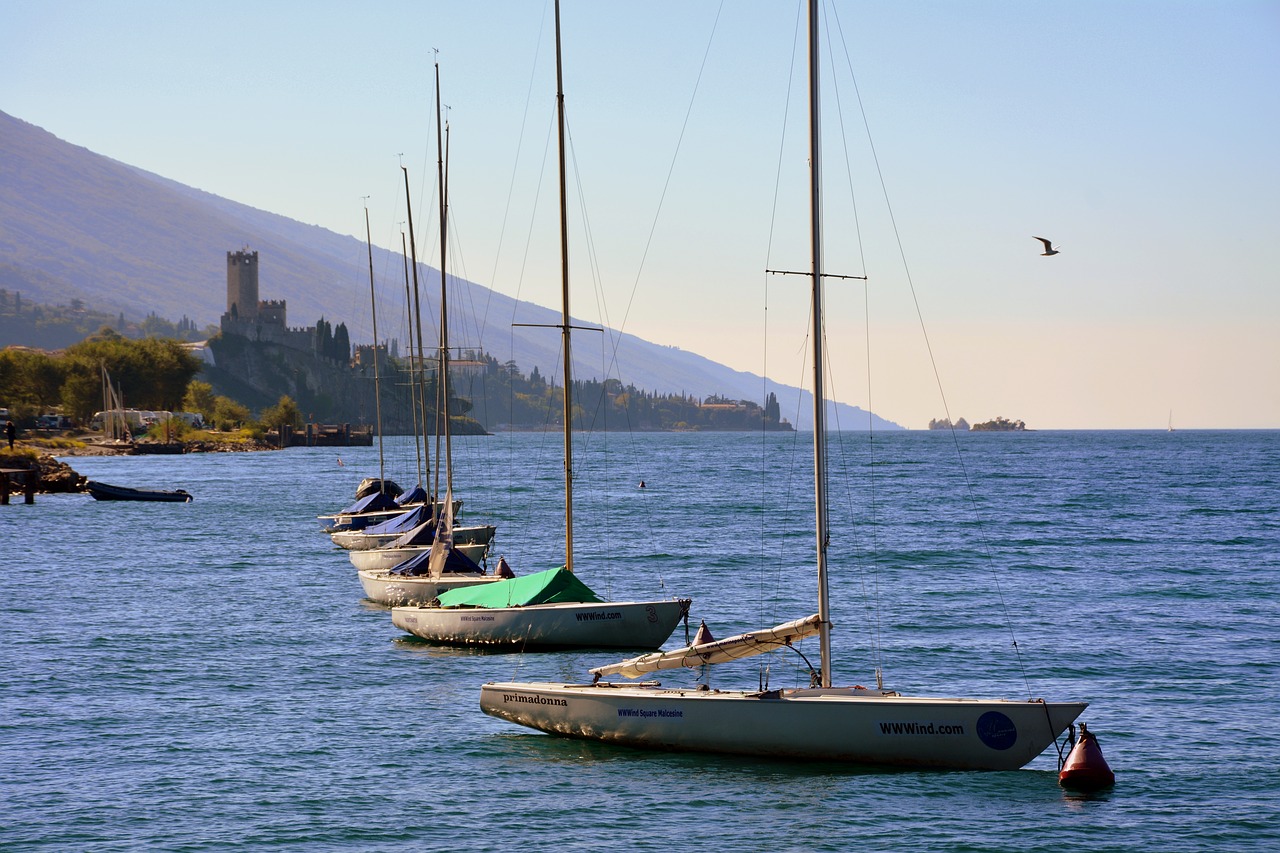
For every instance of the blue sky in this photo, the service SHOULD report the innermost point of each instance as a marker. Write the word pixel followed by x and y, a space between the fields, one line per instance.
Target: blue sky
pixel 1140 136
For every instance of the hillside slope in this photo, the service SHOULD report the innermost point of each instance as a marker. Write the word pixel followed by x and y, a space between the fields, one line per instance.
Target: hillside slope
pixel 77 225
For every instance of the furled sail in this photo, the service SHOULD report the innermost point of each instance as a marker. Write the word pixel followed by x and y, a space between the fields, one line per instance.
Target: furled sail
pixel 443 543
pixel 717 651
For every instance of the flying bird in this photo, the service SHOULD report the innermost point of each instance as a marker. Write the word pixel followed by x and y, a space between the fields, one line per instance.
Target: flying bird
pixel 1048 247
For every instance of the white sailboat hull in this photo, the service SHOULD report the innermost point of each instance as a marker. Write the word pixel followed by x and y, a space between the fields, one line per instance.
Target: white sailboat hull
pixel 361 541
pixel 339 521
pixel 832 724
pixel 381 559
pixel 625 625
pixel 394 591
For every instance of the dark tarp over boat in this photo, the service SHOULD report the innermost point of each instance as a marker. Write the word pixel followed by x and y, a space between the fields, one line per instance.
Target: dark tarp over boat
pixel 457 563
pixel 370 503
pixel 554 586
pixel 403 522
pixel 416 495
pixel 360 514
pixel 372 485
pixel 423 534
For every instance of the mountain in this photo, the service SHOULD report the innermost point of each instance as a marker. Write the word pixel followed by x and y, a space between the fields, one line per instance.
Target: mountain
pixel 77 225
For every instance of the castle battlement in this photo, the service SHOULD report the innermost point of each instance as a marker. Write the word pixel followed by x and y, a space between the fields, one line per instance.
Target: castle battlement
pixel 259 319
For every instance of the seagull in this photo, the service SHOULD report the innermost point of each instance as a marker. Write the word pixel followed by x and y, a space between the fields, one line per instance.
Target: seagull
pixel 1048 247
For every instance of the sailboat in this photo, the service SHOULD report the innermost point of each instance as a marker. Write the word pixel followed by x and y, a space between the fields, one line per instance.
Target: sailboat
pixel 553 608
pixel 819 722
pixel 437 556
pixel 474 541
pixel 377 499
pixel 383 534
pixel 115 422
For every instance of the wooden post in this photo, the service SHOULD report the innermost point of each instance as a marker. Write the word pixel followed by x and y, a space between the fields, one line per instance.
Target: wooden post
pixel 30 479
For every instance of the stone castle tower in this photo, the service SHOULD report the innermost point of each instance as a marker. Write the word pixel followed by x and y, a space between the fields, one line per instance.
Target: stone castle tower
pixel 254 318
pixel 242 285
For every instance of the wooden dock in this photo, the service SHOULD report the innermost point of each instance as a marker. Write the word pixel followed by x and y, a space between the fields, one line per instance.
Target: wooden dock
pixel 29 478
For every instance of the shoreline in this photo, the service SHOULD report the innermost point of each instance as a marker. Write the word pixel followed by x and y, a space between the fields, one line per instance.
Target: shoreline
pixel 58 477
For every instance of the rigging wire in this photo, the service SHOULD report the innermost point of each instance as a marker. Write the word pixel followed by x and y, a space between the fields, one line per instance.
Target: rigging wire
pixel 969 490
pixel 766 584
pixel 671 169
pixel 524 266
pixel 871 569
pixel 515 165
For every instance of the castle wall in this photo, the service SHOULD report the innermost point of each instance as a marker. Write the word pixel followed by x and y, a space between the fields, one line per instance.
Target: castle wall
pixel 272 311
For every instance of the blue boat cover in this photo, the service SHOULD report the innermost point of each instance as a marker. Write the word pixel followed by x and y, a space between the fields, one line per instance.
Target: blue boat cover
pixel 416 495
pixel 370 503
pixel 402 522
pixel 423 534
pixel 456 563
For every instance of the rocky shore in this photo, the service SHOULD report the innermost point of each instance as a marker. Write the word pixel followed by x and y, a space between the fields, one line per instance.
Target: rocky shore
pixel 55 476
pixel 58 477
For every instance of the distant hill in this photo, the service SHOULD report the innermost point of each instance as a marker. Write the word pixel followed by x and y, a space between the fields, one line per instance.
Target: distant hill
pixel 75 225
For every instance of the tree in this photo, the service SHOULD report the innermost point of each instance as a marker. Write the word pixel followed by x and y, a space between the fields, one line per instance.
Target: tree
pixel 283 413
pixel 772 411
pixel 200 398
pixel 153 373
pixel 228 414
pixel 341 347
pixel 324 338
pixel 32 381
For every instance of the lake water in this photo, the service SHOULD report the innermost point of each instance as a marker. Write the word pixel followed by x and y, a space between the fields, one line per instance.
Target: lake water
pixel 205 675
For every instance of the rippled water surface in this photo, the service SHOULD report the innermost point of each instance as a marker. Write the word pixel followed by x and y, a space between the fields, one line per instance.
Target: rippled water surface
pixel 206 675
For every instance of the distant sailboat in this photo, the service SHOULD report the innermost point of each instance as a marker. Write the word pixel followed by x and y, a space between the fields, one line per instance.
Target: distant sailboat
pixel 820 722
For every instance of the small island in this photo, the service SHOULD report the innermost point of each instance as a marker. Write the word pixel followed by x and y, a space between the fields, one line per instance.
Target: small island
pixel 997 424
pixel 1000 425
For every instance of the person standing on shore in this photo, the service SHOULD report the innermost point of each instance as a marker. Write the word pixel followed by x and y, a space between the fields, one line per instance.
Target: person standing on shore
pixel 10 432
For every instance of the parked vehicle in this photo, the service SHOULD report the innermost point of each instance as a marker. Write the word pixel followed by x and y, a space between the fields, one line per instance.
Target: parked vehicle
pixel 53 421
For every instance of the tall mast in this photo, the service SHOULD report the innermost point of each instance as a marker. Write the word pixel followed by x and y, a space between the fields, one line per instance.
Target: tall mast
pixel 413 390
pixel 564 314
pixel 417 311
pixel 377 379
pixel 444 310
pixel 819 403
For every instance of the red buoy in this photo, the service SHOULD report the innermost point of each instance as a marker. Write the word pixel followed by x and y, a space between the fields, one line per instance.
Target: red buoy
pixel 1086 769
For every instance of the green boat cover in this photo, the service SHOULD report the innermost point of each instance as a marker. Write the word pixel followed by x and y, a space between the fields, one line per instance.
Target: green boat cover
pixel 554 586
